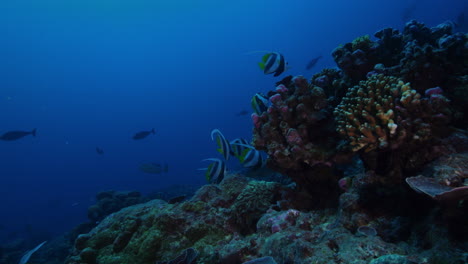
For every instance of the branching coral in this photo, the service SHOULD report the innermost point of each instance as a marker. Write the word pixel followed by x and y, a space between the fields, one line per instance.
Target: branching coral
pixel 384 113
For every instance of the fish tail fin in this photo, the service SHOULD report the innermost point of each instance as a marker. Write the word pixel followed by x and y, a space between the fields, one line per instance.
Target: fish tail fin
pixel 33 132
pixel 152 131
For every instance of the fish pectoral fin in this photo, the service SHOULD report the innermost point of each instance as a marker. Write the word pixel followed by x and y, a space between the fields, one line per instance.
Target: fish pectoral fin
pixel 261 65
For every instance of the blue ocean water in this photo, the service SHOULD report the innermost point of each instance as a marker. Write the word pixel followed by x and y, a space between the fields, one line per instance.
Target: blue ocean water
pixel 90 74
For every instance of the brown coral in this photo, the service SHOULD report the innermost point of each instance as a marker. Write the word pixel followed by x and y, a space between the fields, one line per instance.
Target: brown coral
pixel 384 113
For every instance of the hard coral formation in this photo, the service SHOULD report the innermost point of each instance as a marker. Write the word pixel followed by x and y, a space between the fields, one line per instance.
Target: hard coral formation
pixel 385 113
pixel 333 82
pixel 425 57
pixel 356 58
pixel 297 132
pixel 446 179
pixel 290 130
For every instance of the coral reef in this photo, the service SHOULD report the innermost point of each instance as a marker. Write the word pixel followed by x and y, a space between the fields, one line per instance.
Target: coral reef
pixel 356 141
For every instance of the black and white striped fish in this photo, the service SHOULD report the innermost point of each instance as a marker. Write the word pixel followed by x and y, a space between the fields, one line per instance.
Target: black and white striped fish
pixel 273 62
pixel 253 159
pixel 223 145
pixel 250 157
pixel 236 149
pixel 215 171
pixel 260 103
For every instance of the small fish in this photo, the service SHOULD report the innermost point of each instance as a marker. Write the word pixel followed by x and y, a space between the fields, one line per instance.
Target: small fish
pixel 273 62
pixel 15 135
pixel 259 103
pixel 242 113
pixel 143 134
pixel 223 145
pixel 312 62
pixel 215 171
pixel 236 149
pixel 99 151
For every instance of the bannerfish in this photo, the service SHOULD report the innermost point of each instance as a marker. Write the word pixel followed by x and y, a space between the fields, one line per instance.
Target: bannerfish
pixel 223 145
pixel 153 168
pixel 253 159
pixel 236 149
pixel 143 134
pixel 15 135
pixel 99 151
pixel 312 62
pixel 215 171
pixel 259 103
pixel 250 158
pixel 273 62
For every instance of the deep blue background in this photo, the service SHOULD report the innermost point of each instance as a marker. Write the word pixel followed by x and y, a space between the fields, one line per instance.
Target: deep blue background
pixel 90 73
